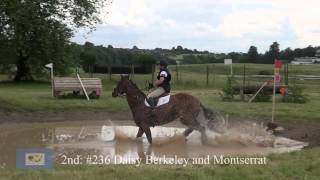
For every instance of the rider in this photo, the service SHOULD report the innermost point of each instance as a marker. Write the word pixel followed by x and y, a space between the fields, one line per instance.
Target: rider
pixel 162 84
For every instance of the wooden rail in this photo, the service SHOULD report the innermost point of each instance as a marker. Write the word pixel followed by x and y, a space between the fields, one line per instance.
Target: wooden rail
pixel 92 85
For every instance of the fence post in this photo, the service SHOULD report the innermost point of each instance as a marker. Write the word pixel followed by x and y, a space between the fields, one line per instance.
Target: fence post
pixel 109 70
pixel 243 82
pixel 214 74
pixel 207 75
pixel 91 71
pixel 132 71
pixel 177 73
pixel 287 74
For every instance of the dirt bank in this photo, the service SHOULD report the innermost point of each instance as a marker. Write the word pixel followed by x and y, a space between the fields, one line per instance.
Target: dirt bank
pixel 308 131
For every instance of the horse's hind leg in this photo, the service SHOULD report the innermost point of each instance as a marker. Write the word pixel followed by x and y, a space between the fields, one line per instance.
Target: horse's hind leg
pixel 201 129
pixel 204 138
pixel 193 124
pixel 187 132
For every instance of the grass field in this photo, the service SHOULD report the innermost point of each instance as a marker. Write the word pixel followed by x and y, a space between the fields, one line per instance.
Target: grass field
pixel 36 97
pixel 296 165
pixel 26 97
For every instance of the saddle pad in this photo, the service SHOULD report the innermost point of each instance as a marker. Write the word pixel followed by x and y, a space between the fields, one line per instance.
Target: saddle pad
pixel 163 100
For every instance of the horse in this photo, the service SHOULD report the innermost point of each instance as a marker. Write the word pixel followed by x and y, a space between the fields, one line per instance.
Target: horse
pixel 187 108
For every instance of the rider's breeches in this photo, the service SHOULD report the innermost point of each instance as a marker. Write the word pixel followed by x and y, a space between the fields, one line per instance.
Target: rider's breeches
pixel 156 93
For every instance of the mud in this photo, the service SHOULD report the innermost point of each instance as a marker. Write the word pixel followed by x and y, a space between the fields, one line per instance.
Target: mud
pixel 84 138
pixel 307 131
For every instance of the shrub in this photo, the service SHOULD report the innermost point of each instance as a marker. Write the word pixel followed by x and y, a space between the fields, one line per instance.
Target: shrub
pixel 228 90
pixel 295 95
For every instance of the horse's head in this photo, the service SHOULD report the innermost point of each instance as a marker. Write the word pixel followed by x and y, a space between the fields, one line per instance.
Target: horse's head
pixel 122 87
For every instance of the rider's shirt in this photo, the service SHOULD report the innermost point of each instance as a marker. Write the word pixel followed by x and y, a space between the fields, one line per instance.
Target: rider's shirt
pixel 167 78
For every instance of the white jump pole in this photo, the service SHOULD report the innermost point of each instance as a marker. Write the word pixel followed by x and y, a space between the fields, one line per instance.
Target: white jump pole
pixel 83 88
pixel 254 96
pixel 274 95
pixel 52 77
pixel 231 69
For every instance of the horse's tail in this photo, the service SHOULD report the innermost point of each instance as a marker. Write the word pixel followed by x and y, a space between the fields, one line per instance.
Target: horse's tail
pixel 211 118
pixel 208 114
pixel 206 117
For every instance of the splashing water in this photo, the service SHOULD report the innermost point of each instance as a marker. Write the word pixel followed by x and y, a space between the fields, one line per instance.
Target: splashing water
pixel 105 138
pixel 244 134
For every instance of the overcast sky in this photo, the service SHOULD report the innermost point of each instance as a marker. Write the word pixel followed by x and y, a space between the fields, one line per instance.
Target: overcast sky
pixel 214 25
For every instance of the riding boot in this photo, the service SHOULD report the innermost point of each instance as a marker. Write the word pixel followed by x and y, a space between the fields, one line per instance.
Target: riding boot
pixel 152 104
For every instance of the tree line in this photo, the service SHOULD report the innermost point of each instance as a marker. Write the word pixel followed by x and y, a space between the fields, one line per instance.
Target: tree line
pixel 252 55
pixel 91 55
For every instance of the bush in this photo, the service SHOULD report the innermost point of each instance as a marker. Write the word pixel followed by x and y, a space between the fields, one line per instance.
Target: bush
pixel 295 95
pixel 228 91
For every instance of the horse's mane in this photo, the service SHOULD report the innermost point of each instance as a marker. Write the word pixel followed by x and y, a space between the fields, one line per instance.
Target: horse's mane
pixel 137 88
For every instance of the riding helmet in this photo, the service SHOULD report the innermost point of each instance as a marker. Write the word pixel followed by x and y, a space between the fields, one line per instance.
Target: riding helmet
pixel 163 63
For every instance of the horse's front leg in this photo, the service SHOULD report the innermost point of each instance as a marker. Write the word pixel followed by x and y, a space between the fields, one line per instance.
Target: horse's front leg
pixel 140 132
pixel 146 129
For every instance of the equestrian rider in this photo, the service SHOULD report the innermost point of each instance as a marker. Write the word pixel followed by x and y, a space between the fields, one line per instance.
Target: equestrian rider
pixel 162 84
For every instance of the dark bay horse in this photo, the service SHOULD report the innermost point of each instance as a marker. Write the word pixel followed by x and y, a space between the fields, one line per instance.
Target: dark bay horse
pixel 181 106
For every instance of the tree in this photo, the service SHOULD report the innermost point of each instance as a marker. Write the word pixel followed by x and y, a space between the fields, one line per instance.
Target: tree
pixel 274 50
pixel 272 54
pixel 37 32
pixel 179 48
pixel 253 54
pixel 298 52
pixel 287 54
pixel 309 51
pixel 190 59
pixel 135 47
pixel 88 56
pixel 147 59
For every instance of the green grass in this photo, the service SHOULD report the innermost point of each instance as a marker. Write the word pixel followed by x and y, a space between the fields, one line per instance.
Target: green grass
pixel 37 97
pixel 295 165
pixel 257 110
pixel 22 97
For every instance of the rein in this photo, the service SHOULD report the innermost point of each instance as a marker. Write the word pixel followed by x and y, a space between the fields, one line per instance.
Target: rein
pixel 134 92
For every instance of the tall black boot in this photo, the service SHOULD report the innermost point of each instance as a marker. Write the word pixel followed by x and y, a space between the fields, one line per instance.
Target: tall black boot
pixel 152 104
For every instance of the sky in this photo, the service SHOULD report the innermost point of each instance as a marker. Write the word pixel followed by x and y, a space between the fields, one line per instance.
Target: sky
pixel 213 25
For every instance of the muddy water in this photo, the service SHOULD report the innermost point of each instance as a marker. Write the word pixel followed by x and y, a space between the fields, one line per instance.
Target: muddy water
pixel 106 139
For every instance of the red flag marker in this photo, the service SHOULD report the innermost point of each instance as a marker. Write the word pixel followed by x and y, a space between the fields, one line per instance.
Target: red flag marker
pixel 278 63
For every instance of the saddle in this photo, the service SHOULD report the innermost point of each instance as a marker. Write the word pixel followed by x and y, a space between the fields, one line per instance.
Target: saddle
pixel 161 100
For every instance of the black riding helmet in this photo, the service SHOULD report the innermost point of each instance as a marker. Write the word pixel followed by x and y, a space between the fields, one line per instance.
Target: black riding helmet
pixel 163 63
